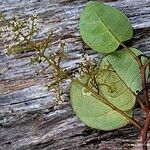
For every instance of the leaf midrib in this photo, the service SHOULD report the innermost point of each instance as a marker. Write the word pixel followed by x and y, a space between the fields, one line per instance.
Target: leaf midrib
pixel 112 34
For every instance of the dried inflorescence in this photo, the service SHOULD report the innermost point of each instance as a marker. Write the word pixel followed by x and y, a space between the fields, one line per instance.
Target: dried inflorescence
pixel 19 33
pixel 89 68
pixel 23 39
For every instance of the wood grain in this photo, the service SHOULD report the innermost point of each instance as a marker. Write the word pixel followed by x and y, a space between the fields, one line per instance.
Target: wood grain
pixel 28 117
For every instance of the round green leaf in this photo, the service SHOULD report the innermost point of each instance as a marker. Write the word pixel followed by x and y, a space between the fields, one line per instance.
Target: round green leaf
pixel 103 27
pixel 92 111
pixel 127 68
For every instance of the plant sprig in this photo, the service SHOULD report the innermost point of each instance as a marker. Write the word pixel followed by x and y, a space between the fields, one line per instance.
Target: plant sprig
pixel 102 93
pixel 105 35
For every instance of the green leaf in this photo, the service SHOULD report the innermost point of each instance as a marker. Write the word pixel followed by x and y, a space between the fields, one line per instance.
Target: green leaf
pixel 103 27
pixel 92 111
pixel 127 68
pixel 113 88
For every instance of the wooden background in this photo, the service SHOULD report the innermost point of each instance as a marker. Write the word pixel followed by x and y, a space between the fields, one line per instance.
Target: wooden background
pixel 28 118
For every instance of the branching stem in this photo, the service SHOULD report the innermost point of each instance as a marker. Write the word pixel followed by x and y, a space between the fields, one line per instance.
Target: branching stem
pixel 142 68
pixel 145 130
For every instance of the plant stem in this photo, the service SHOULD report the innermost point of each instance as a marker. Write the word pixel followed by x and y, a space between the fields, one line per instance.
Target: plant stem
pixel 145 91
pixel 140 103
pixel 146 97
pixel 146 64
pixel 105 101
pixel 145 130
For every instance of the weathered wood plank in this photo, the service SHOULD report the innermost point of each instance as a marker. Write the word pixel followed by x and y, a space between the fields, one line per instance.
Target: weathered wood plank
pixel 28 118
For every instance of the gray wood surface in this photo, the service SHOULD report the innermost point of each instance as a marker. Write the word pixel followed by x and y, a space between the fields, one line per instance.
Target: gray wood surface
pixel 28 118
